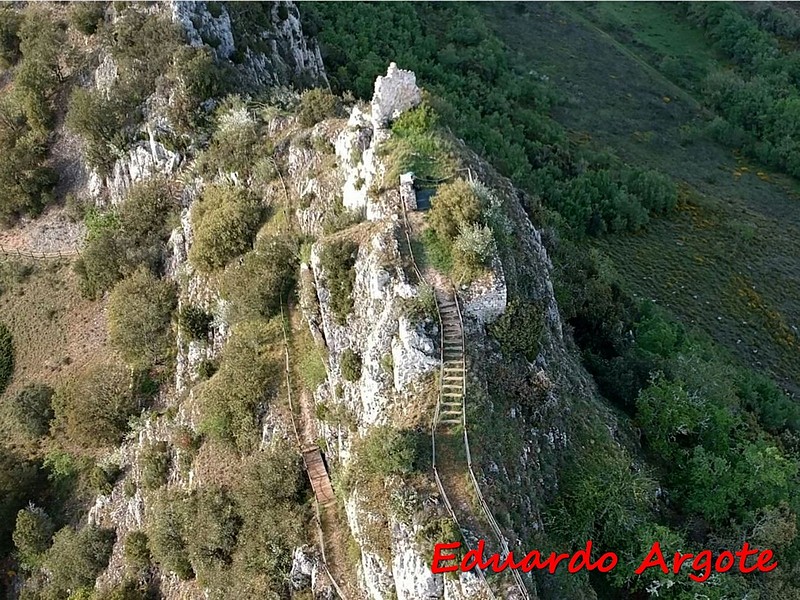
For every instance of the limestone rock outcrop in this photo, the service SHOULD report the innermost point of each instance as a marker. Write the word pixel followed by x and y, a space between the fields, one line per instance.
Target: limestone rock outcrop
pixel 395 93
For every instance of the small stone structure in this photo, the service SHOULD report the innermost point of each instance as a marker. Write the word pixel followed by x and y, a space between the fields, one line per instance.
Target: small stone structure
pixel 408 194
pixel 395 93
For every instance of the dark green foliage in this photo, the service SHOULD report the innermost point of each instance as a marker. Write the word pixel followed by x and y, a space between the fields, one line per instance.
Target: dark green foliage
pixel 137 550
pixel 317 105
pixel 25 180
pixel 75 559
pixel 236 394
pixel 501 113
pixel 225 222
pixel 758 102
pixel 118 243
pixel 338 259
pixel 265 276
pixel 93 409
pixel 519 329
pixel 19 480
pixel 6 357
pixel 166 532
pixel 194 322
pixel 139 317
pixel 31 410
pixel 350 364
pixel 86 17
pixel 9 41
pixel 102 123
pixel 102 479
pixel 214 530
pixel 32 534
pixel 155 462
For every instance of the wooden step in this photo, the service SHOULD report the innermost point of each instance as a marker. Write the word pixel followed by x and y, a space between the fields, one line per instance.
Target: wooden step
pixel 450 421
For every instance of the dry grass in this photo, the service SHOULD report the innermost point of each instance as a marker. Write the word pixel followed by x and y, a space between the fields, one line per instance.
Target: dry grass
pixel 56 331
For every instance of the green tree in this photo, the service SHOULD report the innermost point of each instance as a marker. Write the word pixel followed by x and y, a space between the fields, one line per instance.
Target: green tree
pixel 338 260
pixel 93 408
pixel 32 534
pixel 264 276
pixel 75 559
pixel 31 409
pixel 225 222
pixel 139 317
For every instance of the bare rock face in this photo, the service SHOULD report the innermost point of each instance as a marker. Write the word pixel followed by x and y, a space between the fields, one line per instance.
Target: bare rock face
pixel 292 58
pixel 395 93
pixel 200 25
pixel 143 161
pixel 106 74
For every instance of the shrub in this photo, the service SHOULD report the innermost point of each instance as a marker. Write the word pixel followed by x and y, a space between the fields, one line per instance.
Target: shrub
pixel 455 204
pixel 198 78
pixel 166 533
pixel 101 122
pixel 120 242
pixel 317 105
pixel 75 559
pixel 31 410
pixel 6 357
pixel 37 75
pixel 102 479
pixel 215 526
pixel 155 461
pixel 519 329
pixel 249 373
pixel 472 250
pixel 137 551
pixel 195 322
pixel 386 451
pixel 256 285
pixel 351 365
pixel 225 222
pixel 86 17
pixel 26 181
pixel 235 145
pixel 93 408
pixel 32 534
pixel 9 41
pixel 338 259
pixel 139 316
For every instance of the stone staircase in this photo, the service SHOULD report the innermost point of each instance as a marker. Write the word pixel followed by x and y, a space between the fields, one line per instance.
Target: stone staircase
pixel 452 403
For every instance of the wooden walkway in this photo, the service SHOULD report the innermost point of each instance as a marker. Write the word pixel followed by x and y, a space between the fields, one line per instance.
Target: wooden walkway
pixel 318 474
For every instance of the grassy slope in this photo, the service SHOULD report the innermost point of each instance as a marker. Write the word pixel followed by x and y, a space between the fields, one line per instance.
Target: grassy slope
pixel 727 260
pixel 56 331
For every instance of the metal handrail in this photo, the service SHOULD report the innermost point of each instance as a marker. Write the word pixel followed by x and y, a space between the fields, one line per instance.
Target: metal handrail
pixel 437 409
pixel 300 451
pixel 494 526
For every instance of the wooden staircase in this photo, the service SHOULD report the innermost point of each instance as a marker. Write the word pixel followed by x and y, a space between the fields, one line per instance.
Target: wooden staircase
pixel 451 413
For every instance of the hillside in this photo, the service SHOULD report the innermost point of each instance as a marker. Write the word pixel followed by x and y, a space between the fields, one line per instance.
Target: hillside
pixel 290 294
